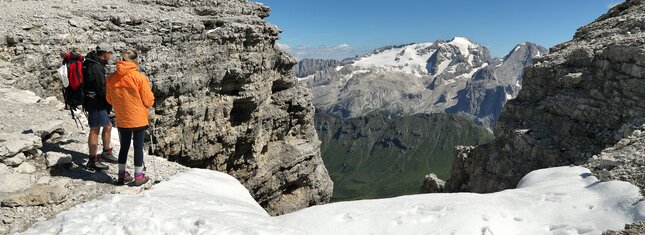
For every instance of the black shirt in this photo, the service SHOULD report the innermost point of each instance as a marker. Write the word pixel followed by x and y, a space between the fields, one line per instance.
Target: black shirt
pixel 94 75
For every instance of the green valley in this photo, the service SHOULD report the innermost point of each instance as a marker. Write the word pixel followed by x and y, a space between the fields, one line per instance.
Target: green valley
pixel 384 155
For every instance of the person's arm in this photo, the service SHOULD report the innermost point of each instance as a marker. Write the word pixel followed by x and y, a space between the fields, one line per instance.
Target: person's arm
pixel 108 95
pixel 100 81
pixel 93 80
pixel 147 97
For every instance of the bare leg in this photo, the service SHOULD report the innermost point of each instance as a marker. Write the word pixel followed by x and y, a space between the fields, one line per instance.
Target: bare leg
pixel 93 140
pixel 106 135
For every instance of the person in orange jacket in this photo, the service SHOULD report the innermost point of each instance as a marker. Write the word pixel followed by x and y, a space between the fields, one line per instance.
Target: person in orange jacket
pixel 129 93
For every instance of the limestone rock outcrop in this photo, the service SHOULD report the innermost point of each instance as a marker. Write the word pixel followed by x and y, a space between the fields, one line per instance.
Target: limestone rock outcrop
pixel 432 184
pixel 625 160
pixel 307 67
pixel 226 99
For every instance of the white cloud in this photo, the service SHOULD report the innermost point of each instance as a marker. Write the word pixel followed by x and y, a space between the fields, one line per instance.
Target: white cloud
pixel 338 52
pixel 344 46
pixel 283 46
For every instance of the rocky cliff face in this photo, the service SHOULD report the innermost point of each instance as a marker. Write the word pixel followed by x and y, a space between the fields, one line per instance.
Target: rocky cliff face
pixel 491 87
pixel 584 96
pixel 226 99
pixel 307 67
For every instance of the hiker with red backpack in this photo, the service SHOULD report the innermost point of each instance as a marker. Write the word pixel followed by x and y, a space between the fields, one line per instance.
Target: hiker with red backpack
pixel 97 107
pixel 71 74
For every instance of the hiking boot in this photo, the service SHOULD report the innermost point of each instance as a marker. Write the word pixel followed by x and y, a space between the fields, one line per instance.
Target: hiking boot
pixel 95 164
pixel 107 156
pixel 140 179
pixel 124 178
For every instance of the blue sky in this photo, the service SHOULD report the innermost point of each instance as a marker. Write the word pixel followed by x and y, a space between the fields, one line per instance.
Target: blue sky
pixel 343 28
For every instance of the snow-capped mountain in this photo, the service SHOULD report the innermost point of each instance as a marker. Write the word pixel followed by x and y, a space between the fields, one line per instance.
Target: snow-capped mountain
pixel 456 76
pixel 427 58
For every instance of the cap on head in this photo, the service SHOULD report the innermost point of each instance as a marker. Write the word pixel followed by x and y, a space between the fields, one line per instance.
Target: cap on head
pixel 104 47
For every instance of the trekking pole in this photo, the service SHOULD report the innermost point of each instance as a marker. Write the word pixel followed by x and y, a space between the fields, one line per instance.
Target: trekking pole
pixel 153 133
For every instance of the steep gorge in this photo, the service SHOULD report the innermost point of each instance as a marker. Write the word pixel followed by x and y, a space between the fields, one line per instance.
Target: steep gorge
pixel 383 155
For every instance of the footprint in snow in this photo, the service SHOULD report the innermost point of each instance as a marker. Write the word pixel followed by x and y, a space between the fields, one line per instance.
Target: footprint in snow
pixel 486 231
pixel 347 217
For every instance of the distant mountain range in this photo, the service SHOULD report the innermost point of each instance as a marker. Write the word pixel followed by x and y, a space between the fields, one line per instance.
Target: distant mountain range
pixel 388 118
pixel 456 76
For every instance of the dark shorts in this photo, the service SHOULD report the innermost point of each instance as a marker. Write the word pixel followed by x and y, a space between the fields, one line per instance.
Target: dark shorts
pixel 98 118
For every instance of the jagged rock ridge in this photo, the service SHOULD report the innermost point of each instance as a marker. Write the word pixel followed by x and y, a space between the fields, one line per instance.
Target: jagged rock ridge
pixel 456 76
pixel 307 67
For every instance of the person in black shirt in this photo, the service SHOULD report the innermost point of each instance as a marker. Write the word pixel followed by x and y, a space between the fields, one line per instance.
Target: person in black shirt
pixel 97 107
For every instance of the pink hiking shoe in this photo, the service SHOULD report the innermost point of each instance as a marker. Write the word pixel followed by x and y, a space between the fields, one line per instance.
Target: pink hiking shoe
pixel 140 179
pixel 124 178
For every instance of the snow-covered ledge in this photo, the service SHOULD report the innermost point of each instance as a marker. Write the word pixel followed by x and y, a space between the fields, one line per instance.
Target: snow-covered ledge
pixel 562 200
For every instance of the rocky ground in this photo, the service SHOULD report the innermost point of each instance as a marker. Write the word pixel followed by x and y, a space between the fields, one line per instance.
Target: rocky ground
pixel 625 160
pixel 42 158
pixel 637 228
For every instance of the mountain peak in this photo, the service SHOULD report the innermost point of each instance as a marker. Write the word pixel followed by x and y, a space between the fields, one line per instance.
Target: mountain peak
pixel 460 40
pixel 463 44
pixel 416 58
pixel 530 48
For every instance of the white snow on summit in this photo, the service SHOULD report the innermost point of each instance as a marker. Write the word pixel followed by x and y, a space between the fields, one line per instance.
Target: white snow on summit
pixel 562 200
pixel 414 58
pixel 407 59
pixel 463 44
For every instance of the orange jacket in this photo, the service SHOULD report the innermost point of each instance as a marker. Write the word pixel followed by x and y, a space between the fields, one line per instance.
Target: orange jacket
pixel 129 93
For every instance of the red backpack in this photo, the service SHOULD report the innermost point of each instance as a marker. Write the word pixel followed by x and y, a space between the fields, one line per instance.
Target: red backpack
pixel 72 77
pixel 74 63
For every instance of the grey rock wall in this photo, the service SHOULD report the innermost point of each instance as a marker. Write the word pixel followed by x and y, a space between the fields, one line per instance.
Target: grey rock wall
pixel 226 99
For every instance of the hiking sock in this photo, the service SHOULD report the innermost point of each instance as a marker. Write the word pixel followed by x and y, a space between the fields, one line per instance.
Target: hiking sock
pixel 138 170
pixel 121 168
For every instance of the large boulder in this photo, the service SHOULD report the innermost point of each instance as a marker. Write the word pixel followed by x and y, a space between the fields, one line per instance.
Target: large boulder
pixel 15 143
pixel 432 184
pixel 15 160
pixel 35 196
pixel 46 129
pixel 56 158
pixel 11 182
